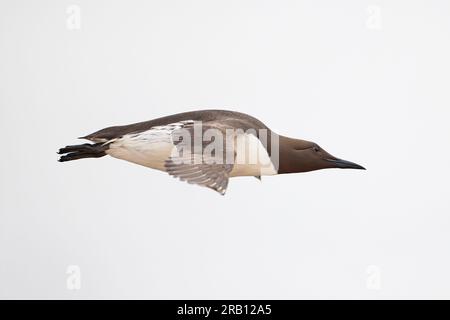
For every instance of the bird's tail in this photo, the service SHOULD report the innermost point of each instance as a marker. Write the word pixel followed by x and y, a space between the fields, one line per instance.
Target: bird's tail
pixel 81 151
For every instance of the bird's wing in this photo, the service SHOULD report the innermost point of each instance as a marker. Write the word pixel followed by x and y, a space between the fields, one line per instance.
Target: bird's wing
pixel 214 176
pixel 203 164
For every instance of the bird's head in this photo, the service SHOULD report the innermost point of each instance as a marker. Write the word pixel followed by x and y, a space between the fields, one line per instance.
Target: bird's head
pixel 302 156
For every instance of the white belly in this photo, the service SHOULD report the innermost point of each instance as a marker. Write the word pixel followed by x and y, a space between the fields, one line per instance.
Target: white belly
pixel 153 147
pixel 150 148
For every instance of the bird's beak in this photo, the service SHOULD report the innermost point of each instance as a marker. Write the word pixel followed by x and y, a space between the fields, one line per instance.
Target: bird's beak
pixel 344 164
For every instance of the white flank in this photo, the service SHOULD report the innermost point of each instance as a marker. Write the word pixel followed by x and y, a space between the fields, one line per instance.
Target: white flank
pixel 153 147
pixel 149 148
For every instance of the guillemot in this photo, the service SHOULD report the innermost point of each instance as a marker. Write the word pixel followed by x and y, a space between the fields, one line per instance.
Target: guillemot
pixel 206 147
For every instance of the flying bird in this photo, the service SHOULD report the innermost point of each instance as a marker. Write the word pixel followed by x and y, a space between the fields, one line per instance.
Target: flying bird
pixel 206 148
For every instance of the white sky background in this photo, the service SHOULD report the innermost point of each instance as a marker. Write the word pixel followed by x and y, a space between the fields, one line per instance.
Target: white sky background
pixel 367 80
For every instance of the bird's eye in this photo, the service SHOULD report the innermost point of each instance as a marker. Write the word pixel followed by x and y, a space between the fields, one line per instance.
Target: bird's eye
pixel 316 149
